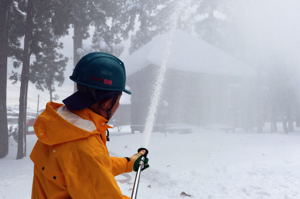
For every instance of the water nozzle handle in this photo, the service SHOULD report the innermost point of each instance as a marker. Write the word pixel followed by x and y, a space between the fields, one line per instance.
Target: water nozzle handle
pixel 140 149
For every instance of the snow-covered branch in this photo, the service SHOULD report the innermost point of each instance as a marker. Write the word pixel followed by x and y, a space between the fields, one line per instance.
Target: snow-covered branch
pixel 16 7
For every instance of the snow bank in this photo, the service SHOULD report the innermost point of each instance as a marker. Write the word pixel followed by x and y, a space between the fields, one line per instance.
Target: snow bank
pixel 204 164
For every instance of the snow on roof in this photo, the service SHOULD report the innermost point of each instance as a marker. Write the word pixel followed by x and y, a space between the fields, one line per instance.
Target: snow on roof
pixel 188 53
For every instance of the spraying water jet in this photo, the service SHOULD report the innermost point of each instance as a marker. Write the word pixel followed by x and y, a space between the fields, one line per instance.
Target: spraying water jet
pixel 158 85
pixel 157 91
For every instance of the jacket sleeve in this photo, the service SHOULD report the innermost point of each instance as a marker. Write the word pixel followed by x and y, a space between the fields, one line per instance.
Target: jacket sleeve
pixel 120 165
pixel 87 173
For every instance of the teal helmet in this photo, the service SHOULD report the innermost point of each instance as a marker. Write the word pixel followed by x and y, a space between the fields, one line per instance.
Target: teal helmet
pixel 103 74
pixel 101 71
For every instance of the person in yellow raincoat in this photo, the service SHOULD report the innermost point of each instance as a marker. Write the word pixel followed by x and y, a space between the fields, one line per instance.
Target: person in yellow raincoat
pixel 70 158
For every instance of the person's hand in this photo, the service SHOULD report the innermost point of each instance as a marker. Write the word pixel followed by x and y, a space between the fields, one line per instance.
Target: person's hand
pixel 136 158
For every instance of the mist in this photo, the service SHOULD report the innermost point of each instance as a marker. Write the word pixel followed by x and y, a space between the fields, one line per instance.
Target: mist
pixel 254 84
pixel 215 96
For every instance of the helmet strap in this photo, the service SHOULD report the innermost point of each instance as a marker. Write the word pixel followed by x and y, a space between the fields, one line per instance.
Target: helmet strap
pixel 109 111
pixel 107 135
pixel 93 92
pixel 109 114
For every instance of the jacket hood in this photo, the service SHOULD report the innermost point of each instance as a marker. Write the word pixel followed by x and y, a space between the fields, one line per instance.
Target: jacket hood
pixel 57 125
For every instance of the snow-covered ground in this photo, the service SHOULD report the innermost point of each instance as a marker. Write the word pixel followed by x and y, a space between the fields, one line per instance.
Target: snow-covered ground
pixel 16 175
pixel 204 164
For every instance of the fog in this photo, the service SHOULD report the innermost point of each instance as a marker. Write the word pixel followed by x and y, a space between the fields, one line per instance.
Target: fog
pixel 258 94
pixel 215 95
pixel 269 28
pixel 265 35
pixel 261 35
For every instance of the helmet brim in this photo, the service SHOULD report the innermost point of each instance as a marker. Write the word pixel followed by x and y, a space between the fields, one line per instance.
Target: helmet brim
pixel 127 91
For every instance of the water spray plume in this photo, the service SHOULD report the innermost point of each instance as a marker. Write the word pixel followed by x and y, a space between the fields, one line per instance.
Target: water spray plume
pixel 158 85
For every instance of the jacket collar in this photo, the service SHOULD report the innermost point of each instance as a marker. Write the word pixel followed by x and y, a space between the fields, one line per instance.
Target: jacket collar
pixel 57 125
pixel 99 121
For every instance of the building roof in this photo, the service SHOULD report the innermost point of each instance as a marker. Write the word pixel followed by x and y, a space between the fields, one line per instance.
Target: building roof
pixel 188 53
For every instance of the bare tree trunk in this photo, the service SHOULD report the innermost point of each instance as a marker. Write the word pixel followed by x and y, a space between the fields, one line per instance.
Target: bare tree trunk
pixel 51 95
pixel 4 17
pixel 24 82
pixel 273 126
pixel 285 124
pixel 297 115
pixel 38 106
pixel 290 126
pixel 77 44
pixel 273 120
pixel 290 122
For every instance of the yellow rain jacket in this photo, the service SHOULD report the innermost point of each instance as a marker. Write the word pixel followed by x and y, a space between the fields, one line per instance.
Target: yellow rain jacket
pixel 71 159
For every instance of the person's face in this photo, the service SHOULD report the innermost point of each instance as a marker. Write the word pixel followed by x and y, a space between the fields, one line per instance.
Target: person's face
pixel 102 108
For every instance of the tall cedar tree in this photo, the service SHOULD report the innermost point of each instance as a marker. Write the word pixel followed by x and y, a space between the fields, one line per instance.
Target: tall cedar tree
pixel 211 28
pixel 11 28
pixel 81 14
pixel 49 66
pixel 4 12
pixel 153 18
pixel 22 129
pixel 113 22
pixel 42 18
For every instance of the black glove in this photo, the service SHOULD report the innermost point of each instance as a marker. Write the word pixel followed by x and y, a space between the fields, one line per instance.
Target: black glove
pixel 136 164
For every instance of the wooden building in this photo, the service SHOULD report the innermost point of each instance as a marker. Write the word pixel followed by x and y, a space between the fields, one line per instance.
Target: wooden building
pixel 202 86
